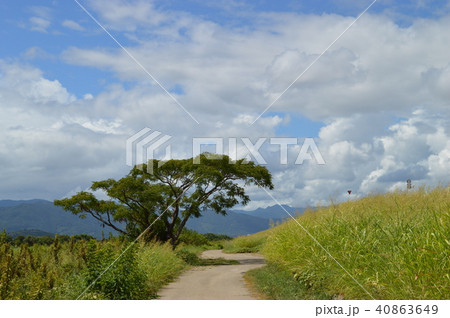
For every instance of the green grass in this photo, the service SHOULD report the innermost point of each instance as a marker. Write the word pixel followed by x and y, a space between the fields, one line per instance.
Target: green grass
pixel 396 245
pixel 161 265
pixel 245 244
pixel 274 282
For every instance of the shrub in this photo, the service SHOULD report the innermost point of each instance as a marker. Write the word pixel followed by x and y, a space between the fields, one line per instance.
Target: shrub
pixel 188 257
pixel 191 237
pixel 124 279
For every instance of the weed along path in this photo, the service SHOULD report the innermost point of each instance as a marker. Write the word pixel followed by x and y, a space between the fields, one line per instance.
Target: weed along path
pixel 214 282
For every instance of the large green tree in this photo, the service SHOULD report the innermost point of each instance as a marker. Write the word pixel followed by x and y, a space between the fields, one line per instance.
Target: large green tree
pixel 160 203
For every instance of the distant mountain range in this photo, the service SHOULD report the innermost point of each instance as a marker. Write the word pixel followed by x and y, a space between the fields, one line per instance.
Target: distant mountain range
pixel 45 216
pixel 273 212
pixel 32 232
pixel 9 203
pixel 240 222
pixel 233 224
pixel 38 216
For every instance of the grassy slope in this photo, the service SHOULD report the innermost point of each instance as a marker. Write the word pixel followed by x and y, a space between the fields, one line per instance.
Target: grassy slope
pixel 396 245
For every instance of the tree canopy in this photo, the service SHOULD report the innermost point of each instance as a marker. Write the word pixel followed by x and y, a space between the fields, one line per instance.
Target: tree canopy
pixel 157 205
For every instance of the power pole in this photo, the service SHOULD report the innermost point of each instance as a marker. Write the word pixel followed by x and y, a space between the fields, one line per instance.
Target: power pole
pixel 408 184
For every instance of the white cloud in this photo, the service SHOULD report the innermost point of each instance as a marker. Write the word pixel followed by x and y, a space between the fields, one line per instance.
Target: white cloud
pixel 40 20
pixel 45 151
pixel 102 126
pixel 36 52
pixel 128 16
pixel 380 90
pixel 61 143
pixel 72 25
pixel 376 66
pixel 39 24
pixel 439 165
pixel 40 11
pixel 415 148
pixel 30 83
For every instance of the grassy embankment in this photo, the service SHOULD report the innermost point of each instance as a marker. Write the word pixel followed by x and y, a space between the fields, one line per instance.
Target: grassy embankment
pixel 396 245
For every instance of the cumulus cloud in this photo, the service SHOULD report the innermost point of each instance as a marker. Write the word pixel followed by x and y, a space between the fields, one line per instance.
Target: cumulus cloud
pixel 31 85
pixel 54 143
pixel 415 148
pixel 376 66
pixel 46 147
pixel 381 92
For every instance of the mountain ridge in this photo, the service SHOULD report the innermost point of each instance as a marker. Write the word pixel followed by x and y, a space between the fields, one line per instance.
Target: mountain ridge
pixel 43 215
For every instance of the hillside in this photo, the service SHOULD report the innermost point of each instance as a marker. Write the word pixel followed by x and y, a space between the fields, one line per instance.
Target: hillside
pixel 273 212
pixel 44 216
pixel 9 203
pixel 240 222
pixel 392 246
pixel 234 224
pixel 32 232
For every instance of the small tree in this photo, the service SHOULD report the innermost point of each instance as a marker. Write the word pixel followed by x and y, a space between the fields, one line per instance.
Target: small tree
pixel 160 203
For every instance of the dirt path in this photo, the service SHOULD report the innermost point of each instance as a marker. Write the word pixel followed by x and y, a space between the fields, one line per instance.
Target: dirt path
pixel 214 282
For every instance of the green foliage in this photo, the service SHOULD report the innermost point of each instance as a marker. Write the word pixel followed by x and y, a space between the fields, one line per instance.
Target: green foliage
pixel 197 242
pixel 211 237
pixel 396 245
pixel 48 240
pixel 4 237
pixel 38 271
pixel 160 203
pixel 124 279
pixel 64 269
pixel 188 257
pixel 245 244
pixel 191 237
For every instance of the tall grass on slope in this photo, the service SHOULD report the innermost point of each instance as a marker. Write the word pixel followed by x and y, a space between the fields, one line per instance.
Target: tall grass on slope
pixel 161 265
pixel 245 244
pixel 396 245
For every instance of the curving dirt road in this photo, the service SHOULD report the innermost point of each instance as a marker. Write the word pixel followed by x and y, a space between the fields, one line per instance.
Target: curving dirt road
pixel 214 282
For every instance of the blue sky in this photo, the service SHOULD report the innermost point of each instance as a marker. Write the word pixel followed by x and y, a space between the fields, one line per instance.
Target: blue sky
pixel 70 97
pixel 18 32
pixel 17 29
pixel 48 44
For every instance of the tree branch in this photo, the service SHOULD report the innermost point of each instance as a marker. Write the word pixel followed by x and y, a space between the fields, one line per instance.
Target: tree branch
pixel 98 216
